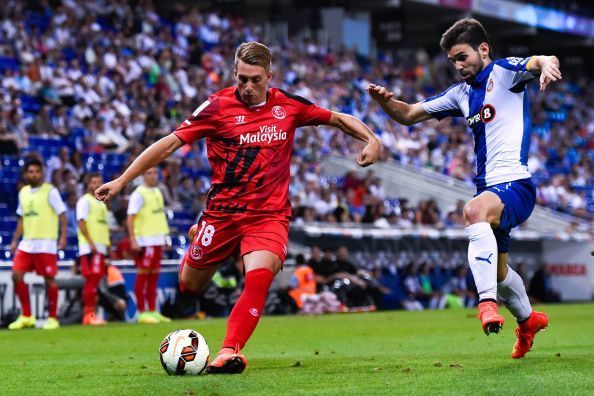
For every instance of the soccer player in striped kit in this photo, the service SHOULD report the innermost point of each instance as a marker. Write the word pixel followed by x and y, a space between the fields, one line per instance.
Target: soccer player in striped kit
pixel 41 212
pixel 492 97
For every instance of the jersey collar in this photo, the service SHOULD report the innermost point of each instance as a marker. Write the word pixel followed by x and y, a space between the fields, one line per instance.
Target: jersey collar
pixel 258 106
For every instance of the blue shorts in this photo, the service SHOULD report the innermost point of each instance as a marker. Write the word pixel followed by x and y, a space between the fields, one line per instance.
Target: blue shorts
pixel 519 198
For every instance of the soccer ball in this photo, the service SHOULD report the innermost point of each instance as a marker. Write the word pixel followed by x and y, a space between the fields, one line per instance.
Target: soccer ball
pixel 184 352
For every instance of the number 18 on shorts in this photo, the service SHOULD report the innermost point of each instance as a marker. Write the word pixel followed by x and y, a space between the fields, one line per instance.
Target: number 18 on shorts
pixel 219 237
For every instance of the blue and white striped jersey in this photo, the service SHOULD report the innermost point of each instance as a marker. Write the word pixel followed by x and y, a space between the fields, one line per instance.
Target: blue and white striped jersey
pixel 495 105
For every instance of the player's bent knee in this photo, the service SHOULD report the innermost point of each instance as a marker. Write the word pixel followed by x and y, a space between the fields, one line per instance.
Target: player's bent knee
pixel 473 213
pixel 193 281
pixel 189 286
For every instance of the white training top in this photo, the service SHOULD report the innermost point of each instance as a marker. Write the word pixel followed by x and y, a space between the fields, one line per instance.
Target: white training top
pixel 82 213
pixel 134 205
pixel 43 245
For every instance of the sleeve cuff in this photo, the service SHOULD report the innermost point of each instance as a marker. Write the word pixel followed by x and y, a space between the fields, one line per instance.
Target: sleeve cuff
pixel 530 62
pixel 180 137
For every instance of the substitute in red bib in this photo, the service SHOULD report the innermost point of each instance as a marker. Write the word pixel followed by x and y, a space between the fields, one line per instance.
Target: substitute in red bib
pixel 249 131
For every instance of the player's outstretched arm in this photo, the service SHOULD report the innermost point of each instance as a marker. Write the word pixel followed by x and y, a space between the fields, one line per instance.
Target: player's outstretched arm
pixel 357 129
pixel 401 112
pixel 152 156
pixel 547 66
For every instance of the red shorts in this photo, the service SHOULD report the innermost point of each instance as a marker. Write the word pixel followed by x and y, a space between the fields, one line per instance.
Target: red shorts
pixel 92 265
pixel 220 236
pixel 44 264
pixel 149 258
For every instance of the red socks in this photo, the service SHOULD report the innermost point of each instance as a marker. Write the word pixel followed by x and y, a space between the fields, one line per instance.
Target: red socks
pixel 52 301
pixel 22 291
pixel 151 291
pixel 89 294
pixel 247 310
pixel 140 291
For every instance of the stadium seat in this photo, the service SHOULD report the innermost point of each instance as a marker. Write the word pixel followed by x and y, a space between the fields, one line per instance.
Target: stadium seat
pixel 30 104
pixel 36 21
pixel 8 63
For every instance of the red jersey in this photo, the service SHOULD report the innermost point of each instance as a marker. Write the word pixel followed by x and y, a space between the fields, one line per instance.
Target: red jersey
pixel 249 148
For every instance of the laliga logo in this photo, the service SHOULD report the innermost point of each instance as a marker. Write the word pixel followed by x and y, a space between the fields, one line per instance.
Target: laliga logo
pixel 254 312
pixel 278 112
pixel 196 252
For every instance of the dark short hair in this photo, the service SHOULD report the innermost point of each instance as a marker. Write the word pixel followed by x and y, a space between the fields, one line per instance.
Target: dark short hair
pixel 465 31
pixel 33 162
pixel 89 176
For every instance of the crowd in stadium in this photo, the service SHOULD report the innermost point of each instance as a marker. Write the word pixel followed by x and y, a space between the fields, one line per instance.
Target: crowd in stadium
pixel 112 79
pixel 88 87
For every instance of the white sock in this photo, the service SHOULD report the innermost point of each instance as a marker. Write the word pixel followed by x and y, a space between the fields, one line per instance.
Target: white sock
pixel 513 294
pixel 482 258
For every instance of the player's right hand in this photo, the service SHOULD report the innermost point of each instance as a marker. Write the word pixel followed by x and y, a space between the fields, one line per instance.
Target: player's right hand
pixel 379 93
pixel 108 190
pixel 12 247
pixel 370 153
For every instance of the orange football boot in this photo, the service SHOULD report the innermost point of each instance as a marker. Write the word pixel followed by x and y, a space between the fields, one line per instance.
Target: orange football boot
pixel 526 331
pixel 93 320
pixel 228 361
pixel 491 321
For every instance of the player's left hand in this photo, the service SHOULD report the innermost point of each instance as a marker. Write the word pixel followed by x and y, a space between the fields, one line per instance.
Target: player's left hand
pixel 192 232
pixel 370 154
pixel 549 73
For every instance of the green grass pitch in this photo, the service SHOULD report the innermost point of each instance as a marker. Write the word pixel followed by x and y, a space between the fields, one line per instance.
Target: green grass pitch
pixel 432 352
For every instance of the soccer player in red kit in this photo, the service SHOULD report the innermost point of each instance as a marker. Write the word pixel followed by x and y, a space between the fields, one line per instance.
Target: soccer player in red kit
pixel 249 132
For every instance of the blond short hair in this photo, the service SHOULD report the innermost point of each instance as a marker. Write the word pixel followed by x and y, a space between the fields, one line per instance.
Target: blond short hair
pixel 253 53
